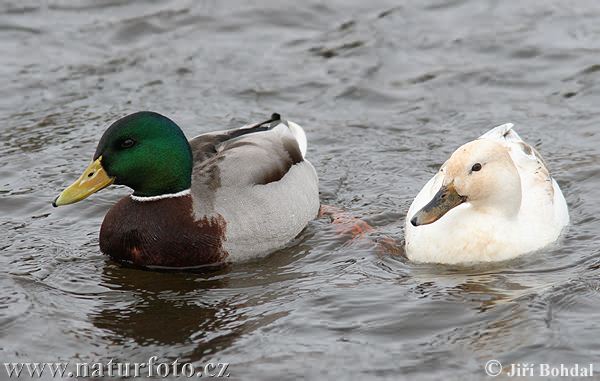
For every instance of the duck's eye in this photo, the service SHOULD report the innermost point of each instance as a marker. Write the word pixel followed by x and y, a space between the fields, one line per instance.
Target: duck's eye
pixel 476 167
pixel 127 143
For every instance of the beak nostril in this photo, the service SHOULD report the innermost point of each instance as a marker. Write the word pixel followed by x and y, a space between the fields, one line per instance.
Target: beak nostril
pixel 90 174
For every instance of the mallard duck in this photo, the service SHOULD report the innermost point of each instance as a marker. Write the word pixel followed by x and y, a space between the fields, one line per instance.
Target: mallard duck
pixel 493 200
pixel 224 196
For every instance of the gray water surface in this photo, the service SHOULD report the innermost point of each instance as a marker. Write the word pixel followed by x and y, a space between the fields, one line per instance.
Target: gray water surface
pixel 385 92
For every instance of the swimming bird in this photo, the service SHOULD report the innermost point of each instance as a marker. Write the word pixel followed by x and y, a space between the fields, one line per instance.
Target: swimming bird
pixel 225 196
pixel 493 200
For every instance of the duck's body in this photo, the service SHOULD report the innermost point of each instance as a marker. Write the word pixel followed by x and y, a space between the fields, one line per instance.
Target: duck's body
pixel 251 192
pixel 516 206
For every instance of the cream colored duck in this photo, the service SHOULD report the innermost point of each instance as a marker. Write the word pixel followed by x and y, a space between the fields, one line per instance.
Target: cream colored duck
pixel 493 200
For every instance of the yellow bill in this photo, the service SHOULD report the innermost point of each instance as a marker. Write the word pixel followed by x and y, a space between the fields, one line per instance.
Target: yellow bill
pixel 93 179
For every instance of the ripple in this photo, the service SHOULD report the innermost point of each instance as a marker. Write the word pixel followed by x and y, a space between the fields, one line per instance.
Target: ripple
pixel 385 93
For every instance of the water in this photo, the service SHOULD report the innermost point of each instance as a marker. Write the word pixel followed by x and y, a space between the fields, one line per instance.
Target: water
pixel 385 92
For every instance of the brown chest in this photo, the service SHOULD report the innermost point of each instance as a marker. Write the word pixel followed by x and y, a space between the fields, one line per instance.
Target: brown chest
pixel 162 233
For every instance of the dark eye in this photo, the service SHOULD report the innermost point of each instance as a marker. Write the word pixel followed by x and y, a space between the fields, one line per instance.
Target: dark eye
pixel 127 143
pixel 476 167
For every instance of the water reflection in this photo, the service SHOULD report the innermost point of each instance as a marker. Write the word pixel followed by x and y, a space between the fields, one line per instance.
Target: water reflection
pixel 168 309
pixel 189 316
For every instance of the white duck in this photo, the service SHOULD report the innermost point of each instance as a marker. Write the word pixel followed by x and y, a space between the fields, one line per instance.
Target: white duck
pixel 493 200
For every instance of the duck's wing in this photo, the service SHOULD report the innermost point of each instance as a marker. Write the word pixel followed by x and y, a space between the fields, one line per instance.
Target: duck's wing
pixel 255 154
pixel 531 165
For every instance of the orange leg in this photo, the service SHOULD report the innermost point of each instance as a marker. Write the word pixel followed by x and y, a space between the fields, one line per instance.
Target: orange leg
pixel 348 225
pixel 345 223
pixel 388 245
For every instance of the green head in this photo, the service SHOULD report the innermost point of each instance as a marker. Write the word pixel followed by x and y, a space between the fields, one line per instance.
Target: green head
pixel 145 151
pixel 148 152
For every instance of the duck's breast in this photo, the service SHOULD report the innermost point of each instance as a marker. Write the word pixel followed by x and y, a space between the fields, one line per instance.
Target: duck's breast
pixel 162 233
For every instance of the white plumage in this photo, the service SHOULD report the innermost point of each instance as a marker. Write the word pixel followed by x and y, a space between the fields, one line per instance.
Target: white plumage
pixel 508 207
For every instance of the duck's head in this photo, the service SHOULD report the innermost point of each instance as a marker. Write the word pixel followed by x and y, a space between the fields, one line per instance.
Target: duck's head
pixel 480 173
pixel 145 151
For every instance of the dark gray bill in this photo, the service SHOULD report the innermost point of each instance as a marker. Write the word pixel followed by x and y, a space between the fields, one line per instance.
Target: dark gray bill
pixel 444 200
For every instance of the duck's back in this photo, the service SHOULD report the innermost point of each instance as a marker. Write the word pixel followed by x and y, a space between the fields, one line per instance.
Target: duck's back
pixel 543 206
pixel 257 179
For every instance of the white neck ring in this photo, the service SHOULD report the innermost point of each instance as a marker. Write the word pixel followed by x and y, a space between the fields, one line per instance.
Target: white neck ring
pixel 160 196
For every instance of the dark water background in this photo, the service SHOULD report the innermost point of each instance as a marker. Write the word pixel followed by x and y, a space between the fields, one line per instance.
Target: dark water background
pixel 385 92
